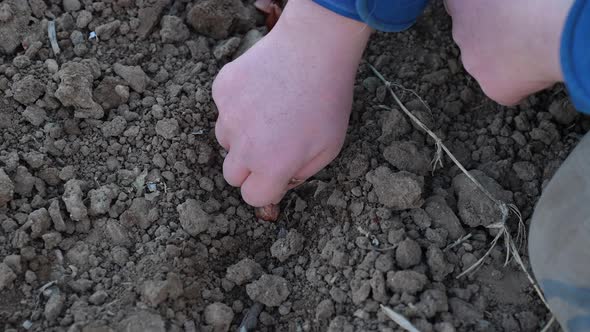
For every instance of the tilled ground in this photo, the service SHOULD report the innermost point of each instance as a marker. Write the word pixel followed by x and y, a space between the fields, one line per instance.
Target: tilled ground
pixel 115 216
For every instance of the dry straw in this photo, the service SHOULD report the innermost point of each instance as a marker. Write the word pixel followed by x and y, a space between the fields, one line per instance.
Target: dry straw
pixel 512 245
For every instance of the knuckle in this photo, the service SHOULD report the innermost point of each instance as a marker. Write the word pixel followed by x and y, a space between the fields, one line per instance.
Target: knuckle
pixel 230 173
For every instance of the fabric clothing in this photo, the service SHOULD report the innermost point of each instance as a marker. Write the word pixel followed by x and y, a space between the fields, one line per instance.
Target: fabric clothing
pixel 575 55
pixel 382 15
pixel 558 241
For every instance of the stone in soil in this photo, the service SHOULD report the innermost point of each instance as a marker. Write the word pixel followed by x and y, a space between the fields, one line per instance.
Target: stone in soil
pixel 219 316
pixel 100 199
pixel 98 297
pixel 563 111
pixel 149 16
pixel 465 311
pixel 340 324
pixel 75 89
pixel 51 240
pixel 35 115
pixel 173 29
pixel 56 217
pixel 78 255
pixel 17 25
pixel 243 271
pixel 437 263
pixel 54 305
pixel 525 170
pixel 106 93
pixel 324 310
pixel 7 276
pixel 27 90
pixel 14 262
pixel 83 19
pixel 394 125
pixel 71 5
pixel 199 48
pixel 407 156
pixel 475 208
pixel 433 301
pixel 444 217
pixel 217 18
pixel 115 127
pixel 40 222
pixel 270 290
pixel 6 188
pixel 408 253
pixel 288 246
pixel 72 198
pixel 226 48
pixel 133 75
pixel 116 233
pixel 193 219
pixel 361 288
pixel 143 321
pixel 406 281
pixel 154 292
pixel 167 128
pixel 107 30
pixel 24 182
pixel 34 159
pixel 378 287
pixel 141 213
pixel 398 191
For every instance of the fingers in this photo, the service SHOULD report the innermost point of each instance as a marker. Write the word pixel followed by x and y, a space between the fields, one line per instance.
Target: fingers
pixel 235 170
pixel 220 135
pixel 261 189
pixel 446 7
pixel 450 6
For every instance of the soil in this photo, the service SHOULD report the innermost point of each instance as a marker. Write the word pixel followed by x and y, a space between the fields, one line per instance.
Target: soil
pixel 115 216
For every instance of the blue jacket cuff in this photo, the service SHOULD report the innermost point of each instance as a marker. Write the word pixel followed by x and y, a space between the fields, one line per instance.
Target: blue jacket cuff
pixel 382 15
pixel 575 55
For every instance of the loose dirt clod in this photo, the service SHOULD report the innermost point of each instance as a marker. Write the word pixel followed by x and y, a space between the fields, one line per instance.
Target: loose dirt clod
pixel 269 290
pixel 6 188
pixel 75 89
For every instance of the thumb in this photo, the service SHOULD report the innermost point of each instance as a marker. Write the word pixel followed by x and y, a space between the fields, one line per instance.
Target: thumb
pixel 261 189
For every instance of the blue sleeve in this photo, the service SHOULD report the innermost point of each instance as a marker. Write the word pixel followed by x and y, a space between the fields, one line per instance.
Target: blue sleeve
pixel 382 15
pixel 575 55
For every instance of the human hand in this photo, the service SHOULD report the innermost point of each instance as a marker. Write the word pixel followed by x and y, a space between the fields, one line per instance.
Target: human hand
pixel 284 105
pixel 510 47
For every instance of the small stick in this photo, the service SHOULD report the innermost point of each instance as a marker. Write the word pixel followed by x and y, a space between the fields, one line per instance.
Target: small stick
pixel 402 321
pixel 458 242
pixel 551 321
pixel 53 37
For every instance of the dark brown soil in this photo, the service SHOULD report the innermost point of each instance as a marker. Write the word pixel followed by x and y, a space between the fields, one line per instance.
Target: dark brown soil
pixel 115 216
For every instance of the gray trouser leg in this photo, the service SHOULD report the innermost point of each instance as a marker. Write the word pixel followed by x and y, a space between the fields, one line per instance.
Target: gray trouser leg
pixel 559 241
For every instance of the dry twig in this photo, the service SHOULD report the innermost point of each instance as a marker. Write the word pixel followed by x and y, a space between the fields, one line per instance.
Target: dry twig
pixel 402 321
pixel 512 246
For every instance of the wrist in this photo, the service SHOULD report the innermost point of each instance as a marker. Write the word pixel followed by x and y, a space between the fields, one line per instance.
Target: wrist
pixel 319 29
